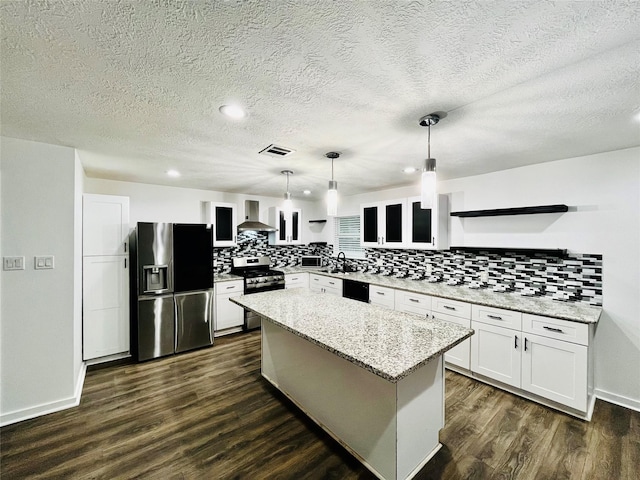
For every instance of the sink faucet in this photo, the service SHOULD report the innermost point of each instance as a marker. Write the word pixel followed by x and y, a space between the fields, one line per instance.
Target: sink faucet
pixel 344 260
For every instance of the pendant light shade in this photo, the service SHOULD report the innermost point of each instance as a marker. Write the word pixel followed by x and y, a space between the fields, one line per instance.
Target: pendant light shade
pixel 332 193
pixel 428 181
pixel 287 205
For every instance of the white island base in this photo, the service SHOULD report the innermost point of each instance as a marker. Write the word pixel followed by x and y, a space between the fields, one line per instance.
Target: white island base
pixel 392 428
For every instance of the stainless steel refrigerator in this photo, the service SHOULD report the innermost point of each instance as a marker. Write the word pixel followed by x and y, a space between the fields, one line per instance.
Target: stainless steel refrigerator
pixel 172 292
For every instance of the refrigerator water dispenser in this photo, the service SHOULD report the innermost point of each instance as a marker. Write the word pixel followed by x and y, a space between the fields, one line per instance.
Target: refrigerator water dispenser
pixel 156 278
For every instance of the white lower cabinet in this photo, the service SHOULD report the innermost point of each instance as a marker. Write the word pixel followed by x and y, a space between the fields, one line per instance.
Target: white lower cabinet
pixel 459 313
pixel 416 303
pixel 381 296
pixel 322 284
pixel 296 280
pixel 557 369
pixel 229 317
pixel 496 353
pixel 552 363
pixel 105 306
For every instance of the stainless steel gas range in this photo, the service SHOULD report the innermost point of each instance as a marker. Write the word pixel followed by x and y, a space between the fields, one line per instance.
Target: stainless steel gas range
pixel 258 277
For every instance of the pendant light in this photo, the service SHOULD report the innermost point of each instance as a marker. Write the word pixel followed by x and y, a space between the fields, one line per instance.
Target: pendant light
pixel 332 193
pixel 428 182
pixel 287 206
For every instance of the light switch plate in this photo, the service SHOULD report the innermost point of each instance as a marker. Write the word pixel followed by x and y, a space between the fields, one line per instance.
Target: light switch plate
pixel 44 262
pixel 13 263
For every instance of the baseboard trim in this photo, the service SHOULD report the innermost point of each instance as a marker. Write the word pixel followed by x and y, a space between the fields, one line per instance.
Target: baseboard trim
pixel 46 408
pixel 620 400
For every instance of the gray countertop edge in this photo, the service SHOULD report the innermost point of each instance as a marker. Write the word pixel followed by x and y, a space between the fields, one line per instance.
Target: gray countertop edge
pixel 573 312
pixel 355 361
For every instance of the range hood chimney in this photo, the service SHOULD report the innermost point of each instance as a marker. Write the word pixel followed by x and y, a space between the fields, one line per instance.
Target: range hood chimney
pixel 252 219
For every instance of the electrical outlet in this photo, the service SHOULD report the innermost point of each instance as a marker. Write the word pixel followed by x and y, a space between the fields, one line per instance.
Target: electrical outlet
pixel 484 276
pixel 44 262
pixel 13 263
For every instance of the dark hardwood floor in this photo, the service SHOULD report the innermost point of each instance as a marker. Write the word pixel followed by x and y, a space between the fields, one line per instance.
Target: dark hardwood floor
pixel 209 415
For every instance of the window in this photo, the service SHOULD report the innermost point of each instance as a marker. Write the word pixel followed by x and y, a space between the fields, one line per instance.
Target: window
pixel 347 237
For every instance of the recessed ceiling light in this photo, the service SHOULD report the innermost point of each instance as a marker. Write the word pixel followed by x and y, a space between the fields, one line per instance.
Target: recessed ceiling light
pixel 173 173
pixel 307 192
pixel 409 170
pixel 232 111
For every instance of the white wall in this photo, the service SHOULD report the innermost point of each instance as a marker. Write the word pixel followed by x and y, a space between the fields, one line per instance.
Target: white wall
pixel 41 368
pixel 603 193
pixel 157 203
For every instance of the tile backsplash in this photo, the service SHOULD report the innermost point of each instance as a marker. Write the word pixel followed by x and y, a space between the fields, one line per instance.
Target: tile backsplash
pixel 576 277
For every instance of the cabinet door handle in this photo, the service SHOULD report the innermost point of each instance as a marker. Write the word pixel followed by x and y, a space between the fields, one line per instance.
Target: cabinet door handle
pixel 331 283
pixel 382 240
pixel 516 344
pixel 448 307
pixel 230 287
pixel 125 247
pixel 414 300
pixel 495 317
pixel 525 344
pixel 294 278
pixel 125 263
pixel 380 293
pixel 558 330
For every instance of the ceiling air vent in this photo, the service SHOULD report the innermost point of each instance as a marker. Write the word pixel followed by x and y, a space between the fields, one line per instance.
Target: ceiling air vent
pixel 276 151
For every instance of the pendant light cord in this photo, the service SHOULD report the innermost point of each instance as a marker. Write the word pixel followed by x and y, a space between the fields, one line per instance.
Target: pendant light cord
pixel 429 140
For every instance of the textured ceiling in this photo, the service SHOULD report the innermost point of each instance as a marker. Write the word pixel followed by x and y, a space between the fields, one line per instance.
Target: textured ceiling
pixel 136 86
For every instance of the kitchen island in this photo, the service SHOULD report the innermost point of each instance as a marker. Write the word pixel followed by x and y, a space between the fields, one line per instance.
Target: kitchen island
pixel 371 377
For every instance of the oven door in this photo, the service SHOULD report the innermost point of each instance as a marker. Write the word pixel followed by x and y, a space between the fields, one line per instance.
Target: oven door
pixel 252 319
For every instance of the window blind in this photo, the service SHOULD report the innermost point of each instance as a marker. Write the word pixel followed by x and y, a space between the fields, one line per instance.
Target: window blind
pixel 347 237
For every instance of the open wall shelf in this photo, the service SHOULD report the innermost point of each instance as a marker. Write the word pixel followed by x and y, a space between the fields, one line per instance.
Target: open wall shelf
pixel 496 212
pixel 317 221
pixel 551 252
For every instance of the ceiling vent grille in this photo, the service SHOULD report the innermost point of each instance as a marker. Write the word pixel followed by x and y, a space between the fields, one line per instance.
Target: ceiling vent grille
pixel 276 151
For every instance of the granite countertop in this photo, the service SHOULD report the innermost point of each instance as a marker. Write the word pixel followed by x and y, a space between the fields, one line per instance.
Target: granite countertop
pixel 226 277
pixel 387 343
pixel 573 311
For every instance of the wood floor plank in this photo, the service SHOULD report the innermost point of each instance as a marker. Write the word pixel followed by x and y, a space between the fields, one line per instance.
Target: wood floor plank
pixel 209 414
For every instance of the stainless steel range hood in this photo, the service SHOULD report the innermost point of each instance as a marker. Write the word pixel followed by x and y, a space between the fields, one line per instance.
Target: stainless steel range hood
pixel 252 219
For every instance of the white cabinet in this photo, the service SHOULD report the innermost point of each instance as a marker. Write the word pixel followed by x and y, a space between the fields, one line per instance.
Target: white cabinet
pixel 382 296
pixel 228 315
pixel 105 276
pixel 415 303
pixel 553 368
pixel 223 217
pixel 383 224
pixel 544 356
pixel 105 225
pixel 322 284
pixel 288 231
pixel 459 313
pixel 428 228
pixel 296 280
pixel 105 306
pixel 496 353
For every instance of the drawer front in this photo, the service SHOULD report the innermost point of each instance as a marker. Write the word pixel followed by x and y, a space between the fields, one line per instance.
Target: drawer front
pixel 334 283
pixel 556 328
pixel 451 307
pixel 229 287
pixel 296 280
pixel 381 296
pixel 407 301
pixel 497 316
